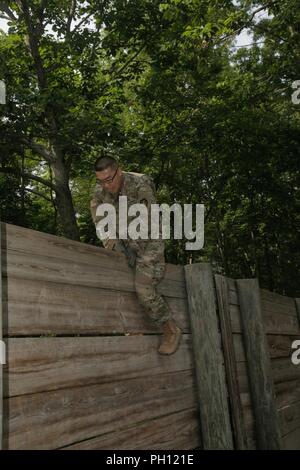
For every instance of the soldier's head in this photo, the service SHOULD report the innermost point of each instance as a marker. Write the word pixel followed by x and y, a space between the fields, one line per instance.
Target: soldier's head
pixel 109 174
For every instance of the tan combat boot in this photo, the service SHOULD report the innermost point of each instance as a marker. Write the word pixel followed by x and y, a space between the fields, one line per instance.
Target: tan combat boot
pixel 171 338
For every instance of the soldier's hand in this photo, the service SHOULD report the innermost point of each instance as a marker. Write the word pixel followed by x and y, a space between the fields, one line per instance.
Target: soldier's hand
pixel 93 209
pixel 109 244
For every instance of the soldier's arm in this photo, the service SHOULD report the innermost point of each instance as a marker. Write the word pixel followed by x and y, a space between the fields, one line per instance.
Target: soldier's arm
pixel 94 203
pixel 146 191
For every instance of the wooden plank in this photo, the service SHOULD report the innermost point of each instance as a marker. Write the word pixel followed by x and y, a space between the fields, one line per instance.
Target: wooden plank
pixel 259 367
pixel 248 418
pixel 287 393
pixel 291 441
pixel 278 299
pixel 274 323
pixel 222 290
pixel 212 390
pixel 290 418
pixel 42 364
pixel 280 323
pixel 233 297
pixel 110 276
pixel 39 308
pixel 59 418
pixel 22 241
pixel 279 346
pixel 282 370
pixel 231 284
pixel 176 431
pixel 269 307
pixel 287 403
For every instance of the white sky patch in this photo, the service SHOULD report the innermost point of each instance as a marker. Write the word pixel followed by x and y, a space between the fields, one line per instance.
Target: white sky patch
pixel 245 38
pixel 90 24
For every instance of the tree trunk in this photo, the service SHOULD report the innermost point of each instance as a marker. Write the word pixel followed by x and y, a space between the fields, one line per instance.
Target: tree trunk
pixel 64 202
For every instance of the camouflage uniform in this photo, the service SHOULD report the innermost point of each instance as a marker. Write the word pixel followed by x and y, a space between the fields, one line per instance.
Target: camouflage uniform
pixel 150 260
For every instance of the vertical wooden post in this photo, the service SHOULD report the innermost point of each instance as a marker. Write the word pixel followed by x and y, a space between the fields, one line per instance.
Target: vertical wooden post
pixel 230 362
pixel 209 360
pixel 259 368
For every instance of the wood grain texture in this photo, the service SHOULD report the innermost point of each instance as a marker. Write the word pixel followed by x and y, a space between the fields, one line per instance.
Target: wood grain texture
pixel 273 298
pixel 291 441
pixel 282 370
pixel 279 346
pixel 39 364
pixel 274 322
pixel 287 393
pixel 222 291
pixel 211 383
pixel 40 267
pixel 178 431
pixel 288 412
pixel 43 364
pixel 63 417
pixel 106 392
pixel 39 307
pixel 39 256
pixel 249 423
pixel 259 366
pixel 290 418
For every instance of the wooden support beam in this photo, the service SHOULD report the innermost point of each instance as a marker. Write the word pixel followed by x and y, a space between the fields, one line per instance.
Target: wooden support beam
pixel 208 356
pixel 267 426
pixel 222 291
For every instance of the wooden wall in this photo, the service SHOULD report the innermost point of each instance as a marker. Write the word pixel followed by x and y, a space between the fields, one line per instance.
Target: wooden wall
pixel 282 327
pixel 83 370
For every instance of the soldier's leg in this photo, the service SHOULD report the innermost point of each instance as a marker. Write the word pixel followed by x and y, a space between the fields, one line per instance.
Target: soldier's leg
pixel 150 270
pixel 146 280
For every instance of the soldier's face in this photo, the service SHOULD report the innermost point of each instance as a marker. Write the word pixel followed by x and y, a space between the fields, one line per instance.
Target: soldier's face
pixel 110 179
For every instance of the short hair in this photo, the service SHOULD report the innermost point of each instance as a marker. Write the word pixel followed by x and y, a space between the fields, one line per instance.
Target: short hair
pixel 102 163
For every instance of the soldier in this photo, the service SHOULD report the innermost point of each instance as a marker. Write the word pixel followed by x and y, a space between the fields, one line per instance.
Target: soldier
pixel 146 257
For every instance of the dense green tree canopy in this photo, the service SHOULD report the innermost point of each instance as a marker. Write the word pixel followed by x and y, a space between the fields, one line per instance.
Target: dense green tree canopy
pixel 161 85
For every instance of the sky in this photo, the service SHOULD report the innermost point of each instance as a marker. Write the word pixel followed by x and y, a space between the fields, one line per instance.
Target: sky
pixel 243 39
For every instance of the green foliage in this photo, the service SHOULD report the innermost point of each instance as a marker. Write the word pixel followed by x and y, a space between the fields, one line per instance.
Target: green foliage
pixel 158 85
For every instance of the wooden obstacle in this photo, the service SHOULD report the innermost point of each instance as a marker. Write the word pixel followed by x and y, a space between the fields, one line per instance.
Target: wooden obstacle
pixel 83 370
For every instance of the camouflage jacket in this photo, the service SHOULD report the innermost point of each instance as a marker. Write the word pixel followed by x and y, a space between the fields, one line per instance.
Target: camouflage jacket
pixel 138 188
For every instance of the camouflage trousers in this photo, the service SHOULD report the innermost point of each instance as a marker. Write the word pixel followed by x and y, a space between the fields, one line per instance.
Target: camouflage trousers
pixel 149 271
